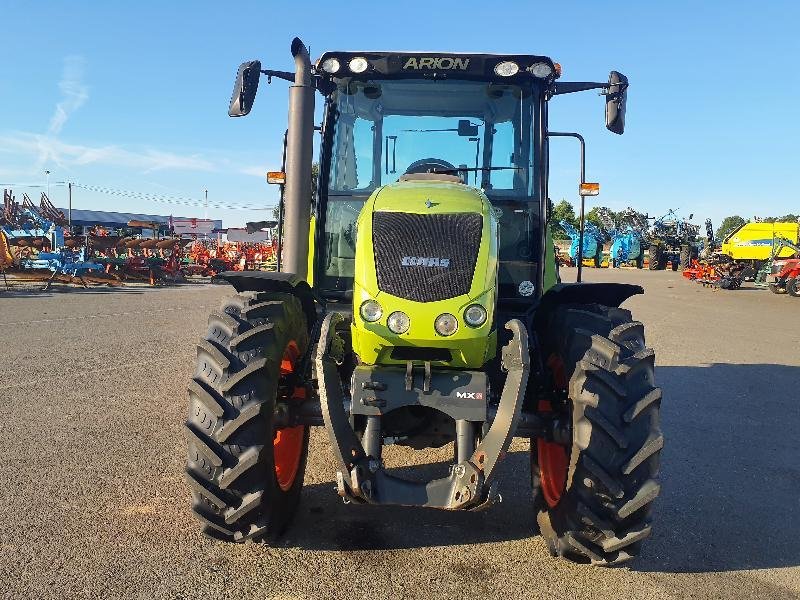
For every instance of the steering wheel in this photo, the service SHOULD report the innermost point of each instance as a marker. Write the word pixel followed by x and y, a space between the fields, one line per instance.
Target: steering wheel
pixel 425 165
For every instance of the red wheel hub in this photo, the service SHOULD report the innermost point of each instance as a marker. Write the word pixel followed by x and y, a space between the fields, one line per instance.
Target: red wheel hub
pixel 287 445
pixel 552 458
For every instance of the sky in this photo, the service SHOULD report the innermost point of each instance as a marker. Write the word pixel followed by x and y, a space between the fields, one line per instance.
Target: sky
pixel 133 96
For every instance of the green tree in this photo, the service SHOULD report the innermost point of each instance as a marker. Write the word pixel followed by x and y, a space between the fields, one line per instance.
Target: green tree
pixel 593 217
pixel 728 225
pixel 563 211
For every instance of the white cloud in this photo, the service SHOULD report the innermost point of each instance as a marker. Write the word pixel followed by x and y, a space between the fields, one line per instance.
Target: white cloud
pixel 74 93
pixel 67 155
pixel 36 151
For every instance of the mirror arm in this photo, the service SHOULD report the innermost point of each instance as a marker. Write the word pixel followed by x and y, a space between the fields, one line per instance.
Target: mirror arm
pixel 285 75
pixel 569 87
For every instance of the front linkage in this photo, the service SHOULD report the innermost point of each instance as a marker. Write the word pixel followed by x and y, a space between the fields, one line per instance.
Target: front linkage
pixel 362 477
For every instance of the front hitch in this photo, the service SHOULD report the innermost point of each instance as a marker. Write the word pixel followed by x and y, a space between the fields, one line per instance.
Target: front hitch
pixel 362 478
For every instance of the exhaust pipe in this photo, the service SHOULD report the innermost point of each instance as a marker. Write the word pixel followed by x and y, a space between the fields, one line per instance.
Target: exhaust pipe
pixel 299 155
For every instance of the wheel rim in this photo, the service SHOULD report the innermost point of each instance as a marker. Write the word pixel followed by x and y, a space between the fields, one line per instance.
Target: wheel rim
pixel 553 465
pixel 287 445
pixel 552 458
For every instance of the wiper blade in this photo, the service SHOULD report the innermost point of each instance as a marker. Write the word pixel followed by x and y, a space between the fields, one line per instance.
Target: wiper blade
pixel 461 170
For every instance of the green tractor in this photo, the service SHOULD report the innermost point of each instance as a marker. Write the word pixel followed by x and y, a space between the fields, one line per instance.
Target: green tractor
pixel 418 303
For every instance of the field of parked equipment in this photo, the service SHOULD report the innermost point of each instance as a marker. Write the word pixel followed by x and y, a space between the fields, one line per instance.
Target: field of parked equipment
pixel 37 244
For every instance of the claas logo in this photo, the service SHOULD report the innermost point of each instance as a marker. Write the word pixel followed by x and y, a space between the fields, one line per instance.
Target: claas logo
pixel 424 261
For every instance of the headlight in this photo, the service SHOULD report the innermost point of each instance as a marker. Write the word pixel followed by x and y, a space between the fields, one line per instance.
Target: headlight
pixel 358 64
pixel 445 324
pixel 540 70
pixel 331 65
pixel 475 315
pixel 371 311
pixel 398 322
pixel 507 68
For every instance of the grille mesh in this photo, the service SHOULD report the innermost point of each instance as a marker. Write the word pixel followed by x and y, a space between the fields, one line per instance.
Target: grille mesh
pixel 415 239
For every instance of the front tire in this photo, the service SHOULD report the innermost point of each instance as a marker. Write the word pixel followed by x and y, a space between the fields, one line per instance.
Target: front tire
pixel 793 286
pixel 686 256
pixel 776 289
pixel 245 474
pixel 655 257
pixel 594 497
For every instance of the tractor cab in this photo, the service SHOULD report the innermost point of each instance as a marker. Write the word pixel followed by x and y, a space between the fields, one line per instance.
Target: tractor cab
pixel 422 122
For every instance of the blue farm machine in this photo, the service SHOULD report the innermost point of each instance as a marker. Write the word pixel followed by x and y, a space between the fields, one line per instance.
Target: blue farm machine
pixel 33 242
pixel 593 239
pixel 628 232
pixel 24 226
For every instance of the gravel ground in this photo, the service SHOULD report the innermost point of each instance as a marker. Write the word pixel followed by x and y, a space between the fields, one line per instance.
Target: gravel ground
pixel 93 400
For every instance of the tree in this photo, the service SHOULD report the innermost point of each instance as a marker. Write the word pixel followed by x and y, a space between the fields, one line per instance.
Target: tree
pixel 593 217
pixel 563 211
pixel 728 225
pixel 790 218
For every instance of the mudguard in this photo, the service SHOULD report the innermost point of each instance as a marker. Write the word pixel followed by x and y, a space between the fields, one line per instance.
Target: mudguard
pixel 607 294
pixel 270 281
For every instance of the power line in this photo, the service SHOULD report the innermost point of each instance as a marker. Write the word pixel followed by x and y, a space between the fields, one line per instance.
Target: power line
pixel 179 200
pixel 162 199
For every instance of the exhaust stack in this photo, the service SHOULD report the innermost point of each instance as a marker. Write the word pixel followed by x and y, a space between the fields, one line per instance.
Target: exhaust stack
pixel 299 155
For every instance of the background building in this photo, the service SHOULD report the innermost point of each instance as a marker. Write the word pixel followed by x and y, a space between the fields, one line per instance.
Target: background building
pixel 85 219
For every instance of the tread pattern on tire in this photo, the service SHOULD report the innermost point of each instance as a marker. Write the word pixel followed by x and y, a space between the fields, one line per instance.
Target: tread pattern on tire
pixel 793 286
pixel 230 468
pixel 686 256
pixel 654 253
pixel 604 512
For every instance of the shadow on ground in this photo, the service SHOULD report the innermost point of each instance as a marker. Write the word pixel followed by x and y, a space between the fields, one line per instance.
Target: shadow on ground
pixel 730 469
pixel 730 484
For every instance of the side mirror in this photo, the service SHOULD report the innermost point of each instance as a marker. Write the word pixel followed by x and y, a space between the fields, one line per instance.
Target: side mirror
pixel 466 128
pixel 253 226
pixel 244 90
pixel 616 98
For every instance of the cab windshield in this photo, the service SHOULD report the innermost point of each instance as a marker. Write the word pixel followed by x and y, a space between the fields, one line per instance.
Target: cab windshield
pixel 481 131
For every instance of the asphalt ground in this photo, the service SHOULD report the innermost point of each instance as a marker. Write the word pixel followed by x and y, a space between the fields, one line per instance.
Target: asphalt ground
pixel 92 392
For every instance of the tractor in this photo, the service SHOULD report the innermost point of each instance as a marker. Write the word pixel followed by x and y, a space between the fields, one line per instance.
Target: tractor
pixel 417 304
pixel 673 240
pixel 780 272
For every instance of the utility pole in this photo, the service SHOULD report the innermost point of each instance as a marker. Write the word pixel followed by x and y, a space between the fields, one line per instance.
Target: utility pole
pixel 69 209
pixel 205 207
pixel 48 183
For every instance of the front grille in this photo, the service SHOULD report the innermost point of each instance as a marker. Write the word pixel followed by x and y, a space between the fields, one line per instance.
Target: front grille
pixel 426 258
